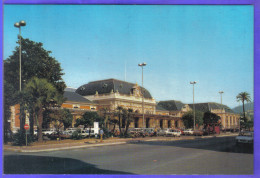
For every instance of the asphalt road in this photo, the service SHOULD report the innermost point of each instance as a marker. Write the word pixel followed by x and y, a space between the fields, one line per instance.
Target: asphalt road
pixel 201 156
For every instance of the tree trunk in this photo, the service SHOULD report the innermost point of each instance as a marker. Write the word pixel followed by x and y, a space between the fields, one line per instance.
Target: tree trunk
pixel 127 126
pixel 31 120
pixel 119 123
pixel 244 109
pixel 114 127
pixel 40 120
pixel 89 131
pixel 22 119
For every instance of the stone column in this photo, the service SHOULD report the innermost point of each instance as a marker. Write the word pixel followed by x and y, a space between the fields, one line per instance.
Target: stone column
pixel 229 121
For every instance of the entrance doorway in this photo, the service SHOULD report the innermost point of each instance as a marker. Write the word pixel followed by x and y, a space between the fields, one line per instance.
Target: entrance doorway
pixel 169 124
pixel 176 124
pixel 136 122
pixel 161 123
pixel 148 123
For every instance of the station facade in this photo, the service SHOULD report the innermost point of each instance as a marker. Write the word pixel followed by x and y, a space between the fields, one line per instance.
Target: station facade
pixel 110 93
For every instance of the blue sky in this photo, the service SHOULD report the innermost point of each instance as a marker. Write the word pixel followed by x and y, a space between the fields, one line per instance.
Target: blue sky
pixel 210 44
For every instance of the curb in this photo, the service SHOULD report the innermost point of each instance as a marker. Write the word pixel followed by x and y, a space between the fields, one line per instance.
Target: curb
pixel 109 144
pixel 63 148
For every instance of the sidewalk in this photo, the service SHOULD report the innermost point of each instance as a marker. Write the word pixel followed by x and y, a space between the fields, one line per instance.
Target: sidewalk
pixel 96 142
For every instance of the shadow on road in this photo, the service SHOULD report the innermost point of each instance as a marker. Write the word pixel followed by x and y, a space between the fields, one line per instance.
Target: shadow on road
pixel 27 164
pixel 222 144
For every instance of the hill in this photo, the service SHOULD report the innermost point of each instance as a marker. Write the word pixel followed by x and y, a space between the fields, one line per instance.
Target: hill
pixel 248 107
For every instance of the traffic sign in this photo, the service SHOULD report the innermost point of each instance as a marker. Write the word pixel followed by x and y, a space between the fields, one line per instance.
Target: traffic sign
pixel 26 126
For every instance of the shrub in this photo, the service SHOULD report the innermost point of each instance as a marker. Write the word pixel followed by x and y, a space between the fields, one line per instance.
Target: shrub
pixel 19 138
pixel 76 135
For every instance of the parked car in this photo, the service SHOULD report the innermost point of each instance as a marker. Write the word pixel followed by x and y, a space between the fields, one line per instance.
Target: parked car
pixel 245 138
pixel 48 132
pixel 172 132
pixel 137 132
pixel 149 132
pixel 161 132
pixel 188 132
pixel 198 132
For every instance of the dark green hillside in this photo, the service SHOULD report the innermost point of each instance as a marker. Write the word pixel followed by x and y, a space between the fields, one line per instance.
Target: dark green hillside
pixel 248 107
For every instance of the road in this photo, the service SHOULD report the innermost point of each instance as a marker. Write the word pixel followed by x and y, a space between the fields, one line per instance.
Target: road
pixel 217 155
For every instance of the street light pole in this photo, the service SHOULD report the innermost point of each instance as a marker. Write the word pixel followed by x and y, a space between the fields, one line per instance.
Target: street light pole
pixel 221 92
pixel 193 83
pixel 142 65
pixel 19 25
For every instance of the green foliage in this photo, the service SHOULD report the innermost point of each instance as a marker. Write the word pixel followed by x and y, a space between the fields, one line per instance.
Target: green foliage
pixel 246 124
pixel 88 119
pixel 76 135
pixel 19 138
pixel 243 96
pixel 41 95
pixel 210 118
pixel 66 117
pixel 188 119
pixel 36 62
pixel 9 100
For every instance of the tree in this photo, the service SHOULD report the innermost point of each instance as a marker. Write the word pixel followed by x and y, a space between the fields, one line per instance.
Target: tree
pixel 129 118
pixel 119 113
pixel 243 96
pixel 60 118
pixel 66 118
pixel 211 119
pixel 36 62
pixel 188 119
pixel 9 100
pixel 43 95
pixel 88 120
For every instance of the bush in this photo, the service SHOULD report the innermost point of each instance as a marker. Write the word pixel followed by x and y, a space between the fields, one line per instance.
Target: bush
pixel 76 135
pixel 19 138
pixel 107 133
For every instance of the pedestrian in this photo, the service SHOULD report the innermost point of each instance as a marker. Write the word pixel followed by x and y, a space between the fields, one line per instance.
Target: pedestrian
pixel 155 131
pixel 101 135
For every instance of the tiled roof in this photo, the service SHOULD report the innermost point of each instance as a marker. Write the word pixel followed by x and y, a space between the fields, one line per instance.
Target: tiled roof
pixel 159 108
pixel 106 86
pixel 72 96
pixel 210 105
pixel 171 105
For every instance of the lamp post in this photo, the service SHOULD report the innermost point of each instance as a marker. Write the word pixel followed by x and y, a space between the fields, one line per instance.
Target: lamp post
pixel 142 65
pixel 221 92
pixel 19 25
pixel 193 83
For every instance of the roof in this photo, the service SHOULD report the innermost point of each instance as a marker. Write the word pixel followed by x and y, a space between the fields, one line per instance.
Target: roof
pixel 72 96
pixel 171 105
pixel 159 108
pixel 204 107
pixel 106 86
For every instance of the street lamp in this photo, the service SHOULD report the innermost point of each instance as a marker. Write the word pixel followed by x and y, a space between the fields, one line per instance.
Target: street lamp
pixel 221 92
pixel 19 25
pixel 193 83
pixel 142 65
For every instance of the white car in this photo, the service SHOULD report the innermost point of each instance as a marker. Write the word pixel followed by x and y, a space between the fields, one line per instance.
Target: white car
pixel 171 132
pixel 48 132
pixel 188 132
pixel 245 138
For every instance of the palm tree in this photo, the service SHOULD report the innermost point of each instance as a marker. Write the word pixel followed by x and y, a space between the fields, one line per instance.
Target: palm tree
pixel 43 95
pixel 243 96
pixel 129 119
pixel 119 115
